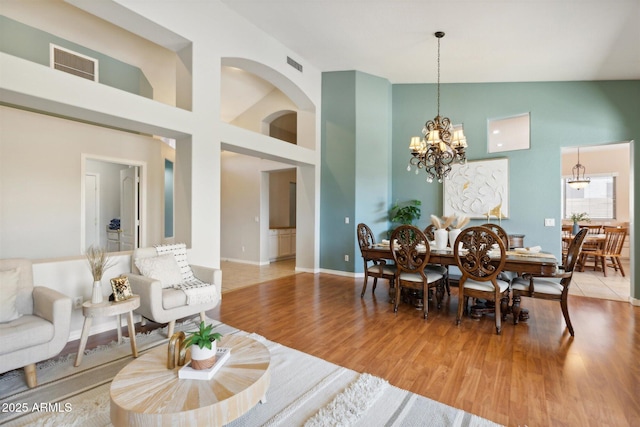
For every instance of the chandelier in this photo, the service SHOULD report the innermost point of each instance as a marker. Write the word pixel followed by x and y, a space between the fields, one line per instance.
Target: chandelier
pixel 576 181
pixel 441 145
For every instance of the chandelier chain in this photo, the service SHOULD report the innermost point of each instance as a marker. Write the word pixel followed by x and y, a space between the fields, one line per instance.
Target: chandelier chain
pixel 438 76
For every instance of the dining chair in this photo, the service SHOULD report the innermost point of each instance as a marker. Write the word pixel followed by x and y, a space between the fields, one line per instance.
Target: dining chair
pixel 611 248
pixel 428 231
pixel 378 269
pixel 566 239
pixel 411 257
pixel 589 247
pixel 480 255
pixel 507 276
pixel 555 288
pixel 444 270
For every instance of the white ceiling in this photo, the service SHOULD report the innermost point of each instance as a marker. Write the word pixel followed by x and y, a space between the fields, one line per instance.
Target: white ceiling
pixel 486 40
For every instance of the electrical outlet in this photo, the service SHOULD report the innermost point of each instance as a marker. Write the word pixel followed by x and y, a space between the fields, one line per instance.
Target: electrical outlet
pixel 346 220
pixel 77 302
pixel 346 257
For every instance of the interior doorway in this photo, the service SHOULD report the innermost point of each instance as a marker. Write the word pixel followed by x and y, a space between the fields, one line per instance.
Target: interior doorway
pixel 111 215
pixel 608 200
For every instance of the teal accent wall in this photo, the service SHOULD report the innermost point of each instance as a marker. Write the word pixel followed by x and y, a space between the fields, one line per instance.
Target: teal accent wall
pixel 32 44
pixel 356 164
pixel 563 114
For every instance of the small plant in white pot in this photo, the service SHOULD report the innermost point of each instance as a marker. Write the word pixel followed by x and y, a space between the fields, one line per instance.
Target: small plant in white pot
pixel 203 344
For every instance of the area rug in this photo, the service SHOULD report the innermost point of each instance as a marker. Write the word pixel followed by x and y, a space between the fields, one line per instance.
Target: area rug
pixel 304 390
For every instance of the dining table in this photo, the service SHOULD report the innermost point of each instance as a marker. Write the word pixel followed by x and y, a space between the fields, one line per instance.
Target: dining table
pixel 592 243
pixel 518 260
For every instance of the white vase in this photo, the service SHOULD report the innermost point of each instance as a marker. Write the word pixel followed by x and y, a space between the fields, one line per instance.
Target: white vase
pixel 441 236
pixel 203 358
pixel 96 295
pixel 453 235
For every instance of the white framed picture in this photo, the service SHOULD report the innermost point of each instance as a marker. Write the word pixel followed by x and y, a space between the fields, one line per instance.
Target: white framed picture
pixel 478 189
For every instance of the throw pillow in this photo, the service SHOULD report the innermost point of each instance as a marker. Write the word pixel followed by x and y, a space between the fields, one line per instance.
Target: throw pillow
pixel 179 250
pixel 162 267
pixel 9 287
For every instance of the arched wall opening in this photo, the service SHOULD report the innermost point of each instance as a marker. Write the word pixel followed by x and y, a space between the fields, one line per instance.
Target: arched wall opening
pixel 258 151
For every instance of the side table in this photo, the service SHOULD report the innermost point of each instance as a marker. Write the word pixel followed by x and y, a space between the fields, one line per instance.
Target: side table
pixel 109 308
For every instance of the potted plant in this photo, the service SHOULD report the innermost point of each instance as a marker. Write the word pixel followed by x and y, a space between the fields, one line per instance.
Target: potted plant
pixel 406 214
pixel 203 345
pixel 577 217
pixel 99 262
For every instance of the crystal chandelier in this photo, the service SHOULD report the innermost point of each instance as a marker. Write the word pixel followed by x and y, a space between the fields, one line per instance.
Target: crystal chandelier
pixel 576 181
pixel 441 145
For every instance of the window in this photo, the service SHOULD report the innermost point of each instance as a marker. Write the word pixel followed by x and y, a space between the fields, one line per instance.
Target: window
pixel 598 199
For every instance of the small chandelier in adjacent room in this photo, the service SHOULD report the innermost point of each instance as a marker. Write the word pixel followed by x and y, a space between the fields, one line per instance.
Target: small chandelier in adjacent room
pixel 441 145
pixel 577 181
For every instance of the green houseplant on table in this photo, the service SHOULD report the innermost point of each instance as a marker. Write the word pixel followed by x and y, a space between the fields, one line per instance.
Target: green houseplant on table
pixel 577 217
pixel 203 343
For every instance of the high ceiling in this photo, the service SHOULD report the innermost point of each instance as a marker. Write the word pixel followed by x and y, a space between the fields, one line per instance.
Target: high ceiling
pixel 486 40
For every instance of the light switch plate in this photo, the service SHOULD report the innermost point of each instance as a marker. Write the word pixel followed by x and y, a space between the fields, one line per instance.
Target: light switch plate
pixel 549 222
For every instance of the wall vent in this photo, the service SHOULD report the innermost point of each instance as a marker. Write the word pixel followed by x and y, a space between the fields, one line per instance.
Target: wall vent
pixel 73 63
pixel 294 64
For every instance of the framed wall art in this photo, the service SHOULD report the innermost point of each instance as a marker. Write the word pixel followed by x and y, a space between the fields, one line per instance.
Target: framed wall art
pixel 478 189
pixel 121 288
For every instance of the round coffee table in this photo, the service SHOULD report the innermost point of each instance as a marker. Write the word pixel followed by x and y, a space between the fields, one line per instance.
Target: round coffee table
pixel 146 393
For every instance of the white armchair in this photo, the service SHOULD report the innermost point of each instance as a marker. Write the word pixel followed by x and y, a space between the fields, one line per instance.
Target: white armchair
pixel 35 320
pixel 161 302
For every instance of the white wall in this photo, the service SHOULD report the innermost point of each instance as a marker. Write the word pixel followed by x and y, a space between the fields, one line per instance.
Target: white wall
pixel 41 178
pixel 216 34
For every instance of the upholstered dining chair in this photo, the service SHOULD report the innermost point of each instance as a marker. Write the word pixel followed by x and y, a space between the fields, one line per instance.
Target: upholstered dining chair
pixel 411 256
pixel 169 287
pixel 428 231
pixel 555 288
pixel 566 240
pixel 480 255
pixel 376 268
pixel 34 320
pixel 611 248
pixel 444 270
pixel 507 276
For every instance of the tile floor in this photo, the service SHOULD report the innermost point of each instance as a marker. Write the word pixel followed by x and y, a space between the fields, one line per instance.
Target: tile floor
pixel 589 283
pixel 593 283
pixel 237 275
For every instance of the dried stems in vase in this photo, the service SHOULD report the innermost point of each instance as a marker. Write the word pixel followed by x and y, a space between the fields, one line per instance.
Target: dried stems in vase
pixel 99 262
pixel 437 223
pixel 461 222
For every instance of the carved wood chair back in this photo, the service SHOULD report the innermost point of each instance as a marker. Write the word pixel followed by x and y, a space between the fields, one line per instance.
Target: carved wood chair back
pixel 411 256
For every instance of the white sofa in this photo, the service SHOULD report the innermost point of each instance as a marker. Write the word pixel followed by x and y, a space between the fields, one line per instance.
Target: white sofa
pixel 166 305
pixel 42 329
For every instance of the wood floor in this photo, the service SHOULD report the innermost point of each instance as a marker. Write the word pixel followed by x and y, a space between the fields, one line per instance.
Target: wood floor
pixel 534 374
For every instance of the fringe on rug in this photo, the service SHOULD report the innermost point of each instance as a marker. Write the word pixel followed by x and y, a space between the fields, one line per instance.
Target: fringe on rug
pixel 347 407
